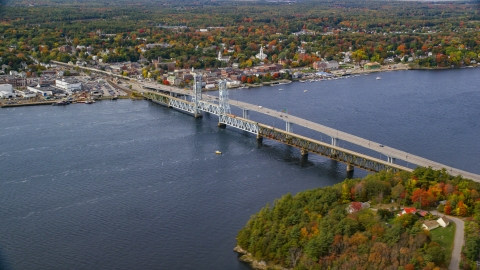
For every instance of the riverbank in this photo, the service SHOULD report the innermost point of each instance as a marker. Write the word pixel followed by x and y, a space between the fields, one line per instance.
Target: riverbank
pixel 6 105
pixel 248 258
pixel 303 231
pixel 367 71
pixel 50 102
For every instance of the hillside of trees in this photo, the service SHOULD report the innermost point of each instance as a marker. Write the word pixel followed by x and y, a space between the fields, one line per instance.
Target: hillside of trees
pixel 433 34
pixel 313 230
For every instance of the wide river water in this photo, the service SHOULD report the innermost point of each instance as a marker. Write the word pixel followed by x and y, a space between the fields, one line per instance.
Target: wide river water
pixel 133 185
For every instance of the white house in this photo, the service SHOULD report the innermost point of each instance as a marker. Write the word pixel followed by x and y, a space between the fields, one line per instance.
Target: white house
pixel 356 206
pixel 430 225
pixel 443 221
pixel 233 83
pixel 408 210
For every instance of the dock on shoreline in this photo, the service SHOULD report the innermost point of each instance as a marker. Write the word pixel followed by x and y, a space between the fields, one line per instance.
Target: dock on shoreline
pixel 4 105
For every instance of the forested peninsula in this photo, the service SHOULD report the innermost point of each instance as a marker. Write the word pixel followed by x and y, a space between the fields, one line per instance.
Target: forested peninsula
pixel 378 222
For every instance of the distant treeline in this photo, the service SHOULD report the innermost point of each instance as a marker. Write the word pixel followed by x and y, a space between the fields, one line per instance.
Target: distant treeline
pixel 427 34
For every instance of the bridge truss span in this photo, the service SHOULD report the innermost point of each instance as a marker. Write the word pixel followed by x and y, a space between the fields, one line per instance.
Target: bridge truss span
pixel 221 108
pixel 240 123
pixel 169 101
pixel 158 98
pixel 333 152
pixel 209 107
pixel 183 105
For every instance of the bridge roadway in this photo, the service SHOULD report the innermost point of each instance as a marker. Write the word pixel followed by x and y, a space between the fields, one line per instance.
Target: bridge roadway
pixel 334 133
pixel 385 150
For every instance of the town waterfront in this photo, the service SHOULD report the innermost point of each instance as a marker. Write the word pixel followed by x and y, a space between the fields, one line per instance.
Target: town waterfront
pixel 133 185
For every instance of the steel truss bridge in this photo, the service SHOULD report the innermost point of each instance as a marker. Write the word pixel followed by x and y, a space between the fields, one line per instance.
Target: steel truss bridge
pixel 170 97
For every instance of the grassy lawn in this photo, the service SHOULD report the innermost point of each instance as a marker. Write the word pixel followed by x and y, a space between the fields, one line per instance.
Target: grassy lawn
pixel 445 236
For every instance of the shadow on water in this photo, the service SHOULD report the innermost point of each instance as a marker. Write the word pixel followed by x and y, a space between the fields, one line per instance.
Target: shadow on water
pixel 304 161
pixel 292 155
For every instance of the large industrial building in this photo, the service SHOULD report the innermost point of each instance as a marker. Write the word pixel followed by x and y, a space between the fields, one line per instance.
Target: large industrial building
pixel 69 85
pixel 6 91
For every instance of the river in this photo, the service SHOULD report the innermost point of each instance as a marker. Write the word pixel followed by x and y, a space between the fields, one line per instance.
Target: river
pixel 133 185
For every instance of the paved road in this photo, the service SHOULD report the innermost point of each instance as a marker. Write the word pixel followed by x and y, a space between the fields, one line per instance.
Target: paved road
pixel 385 150
pixel 458 241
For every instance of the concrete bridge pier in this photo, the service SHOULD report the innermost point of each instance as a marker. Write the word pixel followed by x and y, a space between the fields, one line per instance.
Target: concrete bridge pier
pixel 222 125
pixel 259 138
pixel 288 127
pixel 334 141
pixel 197 115
pixel 350 168
pixel 304 153
pixel 391 159
pixel 246 113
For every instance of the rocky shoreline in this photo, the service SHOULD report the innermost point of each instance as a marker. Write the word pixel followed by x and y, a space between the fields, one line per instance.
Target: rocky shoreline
pixel 247 257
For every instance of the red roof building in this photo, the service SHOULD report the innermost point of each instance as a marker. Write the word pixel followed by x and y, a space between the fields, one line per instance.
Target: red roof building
pixel 408 210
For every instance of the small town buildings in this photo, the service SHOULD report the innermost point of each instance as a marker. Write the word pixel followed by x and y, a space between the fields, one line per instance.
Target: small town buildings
pixel 16 81
pixel 261 55
pixel 46 91
pixel 297 75
pixel 210 86
pixel 69 85
pixel 233 83
pixel 408 210
pixel 430 225
pixel 65 49
pixel 167 65
pixel 174 80
pixel 443 221
pixel 6 91
pixel 422 213
pixel 49 72
pixel 304 32
pixel 223 58
pixel 324 65
pixel 357 206
pixel 27 94
pixel 161 45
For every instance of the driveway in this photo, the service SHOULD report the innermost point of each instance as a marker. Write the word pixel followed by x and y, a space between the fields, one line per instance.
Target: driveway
pixel 458 241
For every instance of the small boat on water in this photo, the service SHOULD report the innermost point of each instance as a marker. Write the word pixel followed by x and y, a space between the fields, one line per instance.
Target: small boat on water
pixel 378 78
pixel 218 152
pixel 89 101
pixel 280 89
pixel 305 91
pixel 114 98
